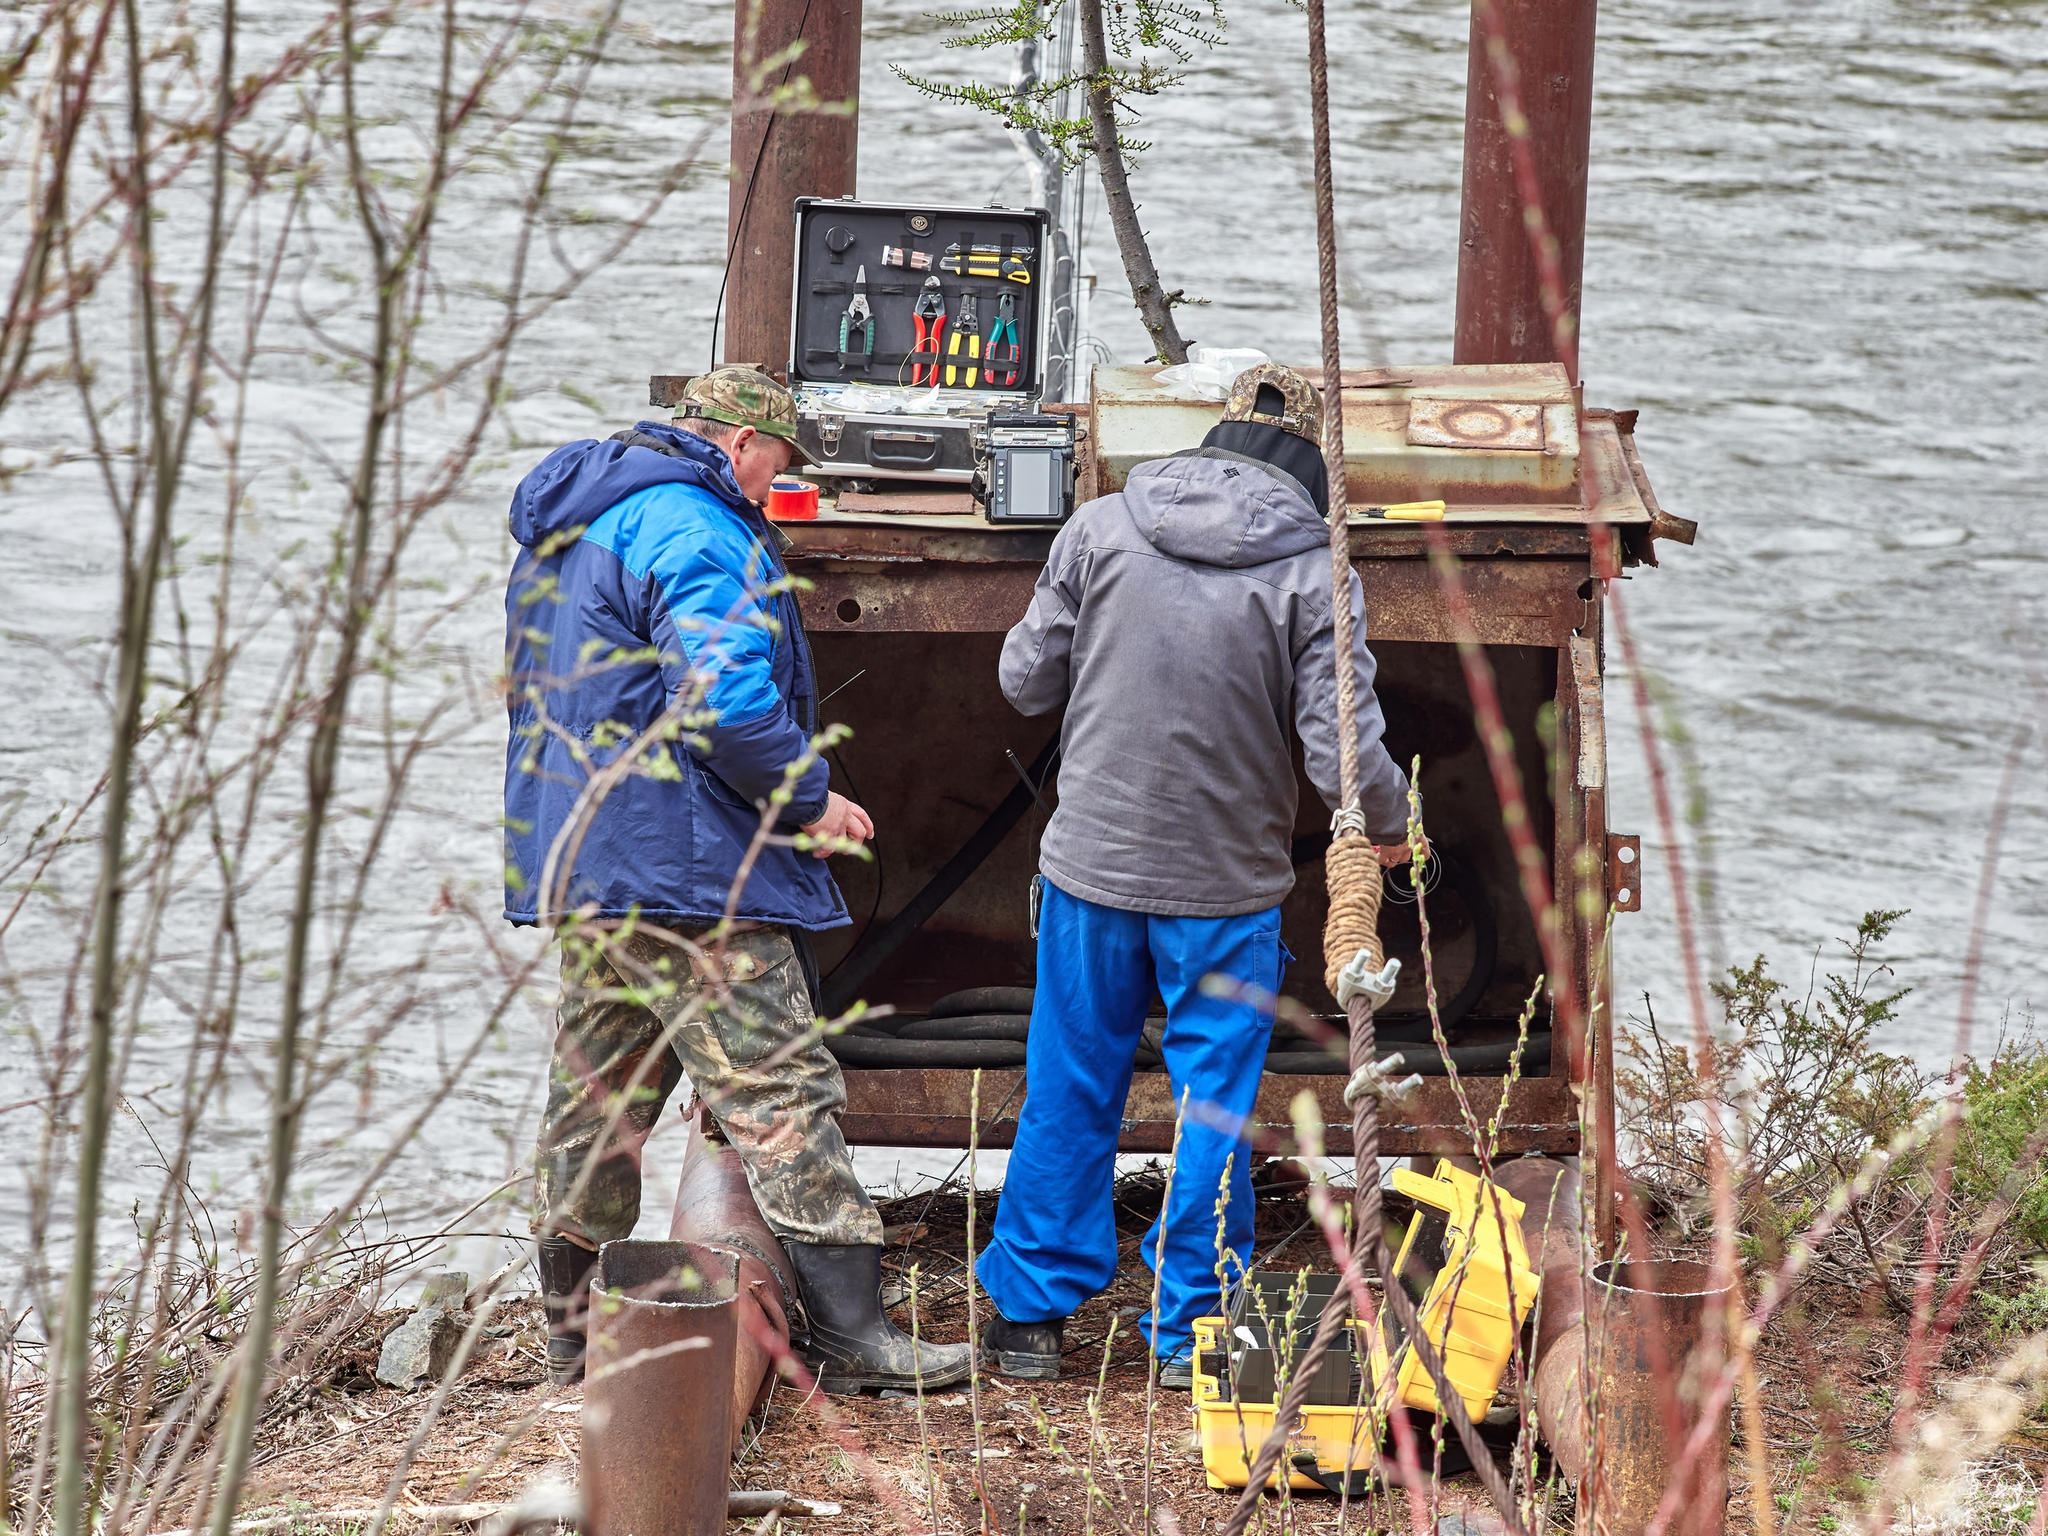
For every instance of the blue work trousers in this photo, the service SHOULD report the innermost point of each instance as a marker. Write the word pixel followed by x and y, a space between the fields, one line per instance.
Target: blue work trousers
pixel 1055 1243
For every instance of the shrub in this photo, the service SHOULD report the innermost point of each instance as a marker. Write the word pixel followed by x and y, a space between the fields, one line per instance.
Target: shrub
pixel 2005 1104
pixel 1810 1094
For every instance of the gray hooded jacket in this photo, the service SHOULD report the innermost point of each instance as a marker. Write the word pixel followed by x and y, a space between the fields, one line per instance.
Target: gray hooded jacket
pixel 1183 623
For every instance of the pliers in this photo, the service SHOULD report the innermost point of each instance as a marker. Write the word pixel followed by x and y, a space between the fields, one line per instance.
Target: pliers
pixel 857 318
pixel 930 318
pixel 967 338
pixel 998 352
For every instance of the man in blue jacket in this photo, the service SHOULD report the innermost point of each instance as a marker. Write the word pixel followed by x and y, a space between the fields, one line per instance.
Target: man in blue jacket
pixel 661 778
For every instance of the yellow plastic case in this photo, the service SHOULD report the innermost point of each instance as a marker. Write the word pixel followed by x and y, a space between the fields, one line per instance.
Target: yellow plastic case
pixel 1473 1304
pixel 1469 1275
pixel 1342 1438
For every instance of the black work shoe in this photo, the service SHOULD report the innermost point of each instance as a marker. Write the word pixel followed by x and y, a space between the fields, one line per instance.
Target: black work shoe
pixel 564 1272
pixel 1028 1351
pixel 854 1348
pixel 1177 1371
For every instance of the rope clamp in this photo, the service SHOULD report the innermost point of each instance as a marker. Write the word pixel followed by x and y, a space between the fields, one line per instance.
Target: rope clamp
pixel 1375 1079
pixel 1359 979
pixel 1349 822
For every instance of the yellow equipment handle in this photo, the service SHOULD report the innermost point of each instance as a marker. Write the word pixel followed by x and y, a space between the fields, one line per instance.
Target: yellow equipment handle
pixel 1409 512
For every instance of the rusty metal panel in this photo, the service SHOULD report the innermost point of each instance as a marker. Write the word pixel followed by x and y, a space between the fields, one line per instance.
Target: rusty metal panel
pixel 953 540
pixel 854 596
pixel 1580 876
pixel 1544 381
pixel 1514 602
pixel 1136 419
pixel 1663 525
pixel 930 1108
pixel 1592 717
pixel 1506 424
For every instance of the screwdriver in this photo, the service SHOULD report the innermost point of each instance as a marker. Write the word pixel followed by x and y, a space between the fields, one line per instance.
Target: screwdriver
pixel 1408 512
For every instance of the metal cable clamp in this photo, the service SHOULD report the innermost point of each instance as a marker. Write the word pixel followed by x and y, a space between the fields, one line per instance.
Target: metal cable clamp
pixel 1376 1078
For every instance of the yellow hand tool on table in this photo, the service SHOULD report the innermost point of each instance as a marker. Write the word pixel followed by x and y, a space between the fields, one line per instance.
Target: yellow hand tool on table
pixel 1405 512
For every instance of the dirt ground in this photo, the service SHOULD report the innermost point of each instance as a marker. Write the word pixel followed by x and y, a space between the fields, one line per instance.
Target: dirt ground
pixel 1829 1366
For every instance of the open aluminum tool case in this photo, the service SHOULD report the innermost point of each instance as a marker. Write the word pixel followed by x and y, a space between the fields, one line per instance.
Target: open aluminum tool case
pixel 859 416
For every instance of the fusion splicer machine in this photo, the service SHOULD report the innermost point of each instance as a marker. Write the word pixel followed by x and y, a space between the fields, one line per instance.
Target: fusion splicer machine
pixel 1024 467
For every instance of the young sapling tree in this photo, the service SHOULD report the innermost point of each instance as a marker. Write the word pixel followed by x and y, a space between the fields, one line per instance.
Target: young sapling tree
pixel 1120 45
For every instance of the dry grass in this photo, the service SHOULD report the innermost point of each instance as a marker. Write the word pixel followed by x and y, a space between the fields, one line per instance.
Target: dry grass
pixel 1828 1366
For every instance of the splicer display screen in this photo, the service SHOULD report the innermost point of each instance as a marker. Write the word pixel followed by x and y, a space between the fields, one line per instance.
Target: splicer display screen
pixel 1031 485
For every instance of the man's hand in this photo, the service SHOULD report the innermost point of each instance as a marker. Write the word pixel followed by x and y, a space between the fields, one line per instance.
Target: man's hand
pixel 1391 854
pixel 842 821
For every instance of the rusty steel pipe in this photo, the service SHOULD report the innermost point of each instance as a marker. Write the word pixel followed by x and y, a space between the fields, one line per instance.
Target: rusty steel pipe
pixel 1549 1192
pixel 715 1209
pixel 657 1440
pixel 1637 1453
pixel 781 155
pixel 1500 310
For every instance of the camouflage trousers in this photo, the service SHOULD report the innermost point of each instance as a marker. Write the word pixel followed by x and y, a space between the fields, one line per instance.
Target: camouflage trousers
pixel 644 994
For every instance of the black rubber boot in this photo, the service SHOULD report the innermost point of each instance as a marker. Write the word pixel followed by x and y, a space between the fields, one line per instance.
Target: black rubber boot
pixel 853 1347
pixel 564 1268
pixel 1028 1351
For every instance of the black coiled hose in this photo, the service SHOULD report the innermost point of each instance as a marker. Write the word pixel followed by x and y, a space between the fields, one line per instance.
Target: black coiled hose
pixel 953 1037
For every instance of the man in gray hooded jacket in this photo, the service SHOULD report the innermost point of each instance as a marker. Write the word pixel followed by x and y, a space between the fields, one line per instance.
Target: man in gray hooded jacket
pixel 1185 623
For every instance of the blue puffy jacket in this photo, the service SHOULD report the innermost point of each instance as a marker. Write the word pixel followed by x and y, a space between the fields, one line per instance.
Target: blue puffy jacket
pixel 644 572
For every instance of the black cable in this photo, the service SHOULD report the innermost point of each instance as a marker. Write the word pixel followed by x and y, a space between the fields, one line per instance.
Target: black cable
pixel 978 1000
pixel 866 960
pixel 886 1055
pixel 747 199
pixel 988 1026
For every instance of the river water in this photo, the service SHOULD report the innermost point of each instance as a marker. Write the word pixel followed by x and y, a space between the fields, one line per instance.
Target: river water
pixel 1817 260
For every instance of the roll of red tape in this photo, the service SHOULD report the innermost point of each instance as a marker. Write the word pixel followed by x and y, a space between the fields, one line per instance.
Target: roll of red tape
pixel 793 501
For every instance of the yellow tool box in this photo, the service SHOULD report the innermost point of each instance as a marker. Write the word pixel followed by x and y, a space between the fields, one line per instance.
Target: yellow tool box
pixel 1469 1276
pixel 1472 1287
pixel 1236 1386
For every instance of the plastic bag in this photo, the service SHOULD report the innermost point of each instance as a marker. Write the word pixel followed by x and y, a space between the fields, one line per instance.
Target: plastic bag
pixel 1210 371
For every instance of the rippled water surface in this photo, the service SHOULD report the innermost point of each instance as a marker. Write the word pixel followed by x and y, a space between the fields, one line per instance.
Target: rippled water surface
pixel 1817 261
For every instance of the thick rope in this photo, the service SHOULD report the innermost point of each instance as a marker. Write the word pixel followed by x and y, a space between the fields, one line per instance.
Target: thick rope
pixel 1354 878
pixel 1353 870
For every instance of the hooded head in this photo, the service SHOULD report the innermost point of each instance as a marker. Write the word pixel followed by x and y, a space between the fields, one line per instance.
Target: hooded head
pixel 1274 415
pixel 1277 397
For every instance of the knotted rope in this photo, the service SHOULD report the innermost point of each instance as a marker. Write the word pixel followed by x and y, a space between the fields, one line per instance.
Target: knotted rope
pixel 1353 870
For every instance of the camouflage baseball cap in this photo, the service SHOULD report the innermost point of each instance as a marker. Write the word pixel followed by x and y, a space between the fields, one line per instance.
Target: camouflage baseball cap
pixel 1301 407
pixel 743 396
